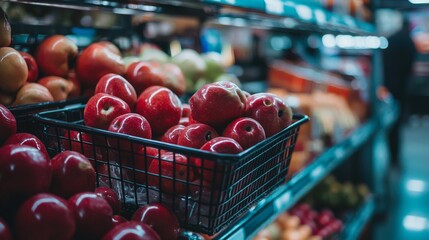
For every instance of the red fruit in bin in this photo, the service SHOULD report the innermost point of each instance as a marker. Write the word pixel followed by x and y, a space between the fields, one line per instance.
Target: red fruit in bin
pixel 102 108
pixel 216 145
pixel 7 123
pixel 117 86
pixel 93 215
pixel 305 207
pixel 72 173
pixel 196 135
pixel 270 111
pixel 132 124
pixel 111 197
pixel 159 218
pixel 24 171
pixel 161 107
pixel 142 75
pixel 45 216
pixel 184 121
pixel 33 69
pixel 186 110
pixel 170 173
pixel 246 131
pixel 117 220
pixel 131 231
pixel 336 225
pixel 28 140
pixel 325 217
pixel 5 233
pixel 172 134
pixel 85 144
pixel 143 158
pixel 217 104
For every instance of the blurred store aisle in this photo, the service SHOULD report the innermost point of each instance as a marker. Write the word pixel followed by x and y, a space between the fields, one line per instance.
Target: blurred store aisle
pixel 408 214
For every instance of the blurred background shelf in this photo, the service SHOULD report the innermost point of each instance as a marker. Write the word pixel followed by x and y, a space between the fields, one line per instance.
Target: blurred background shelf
pixel 356 222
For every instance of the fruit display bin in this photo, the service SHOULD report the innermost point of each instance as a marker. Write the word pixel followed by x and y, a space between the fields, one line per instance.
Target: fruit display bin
pixel 232 184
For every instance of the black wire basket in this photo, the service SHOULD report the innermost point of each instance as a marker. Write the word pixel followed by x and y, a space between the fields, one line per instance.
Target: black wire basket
pixel 232 183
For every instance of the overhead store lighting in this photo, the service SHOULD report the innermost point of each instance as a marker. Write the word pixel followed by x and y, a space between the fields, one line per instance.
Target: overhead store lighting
pixel 354 42
pixel 419 1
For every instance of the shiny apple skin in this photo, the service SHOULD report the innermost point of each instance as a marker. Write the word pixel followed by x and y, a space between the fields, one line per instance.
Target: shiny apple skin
pixel 7 124
pixel 102 108
pixel 246 131
pixel 172 134
pixel 13 70
pixel 117 220
pixel 93 215
pixel 27 139
pixel 144 74
pixel 59 87
pixel 118 86
pixel 111 197
pixel 159 218
pixel 33 69
pixel 132 231
pixel 72 174
pixel 33 93
pixel 5 233
pixel 45 216
pixel 196 135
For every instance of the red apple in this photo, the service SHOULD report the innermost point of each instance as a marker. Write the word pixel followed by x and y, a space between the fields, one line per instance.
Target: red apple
pixel 5 233
pixel 172 134
pixel 173 78
pixel 186 110
pixel 7 124
pixel 55 55
pixel 75 85
pixel 184 121
pixel 270 111
pixel 93 215
pixel 13 70
pixel 144 74
pixel 59 87
pixel 102 108
pixel 118 86
pixel 27 139
pixel 325 217
pixel 216 145
pixel 217 104
pixel 112 47
pixel 111 197
pixel 24 171
pixel 95 61
pixel 132 231
pixel 45 216
pixel 141 162
pixel 72 174
pixel 5 30
pixel 196 135
pixel 33 93
pixel 246 131
pixel 131 124
pixel 117 220
pixel 161 107
pixel 33 69
pixel 159 218
pixel 170 166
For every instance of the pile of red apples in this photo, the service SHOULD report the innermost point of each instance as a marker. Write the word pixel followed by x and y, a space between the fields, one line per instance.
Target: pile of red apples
pixel 219 118
pixel 58 70
pixel 57 198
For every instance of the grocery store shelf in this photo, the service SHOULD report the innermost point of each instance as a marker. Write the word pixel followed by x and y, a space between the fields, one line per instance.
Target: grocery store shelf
pixel 290 193
pixel 388 114
pixel 356 222
pixel 270 14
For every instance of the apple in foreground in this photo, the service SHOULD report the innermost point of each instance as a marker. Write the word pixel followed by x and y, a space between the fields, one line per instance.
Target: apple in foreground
pixel 196 135
pixel 172 134
pixel 132 231
pixel 33 69
pixel 13 70
pixel 159 218
pixel 174 170
pixel 33 93
pixel 95 61
pixel 143 158
pixel 5 233
pixel 24 171
pixel 118 86
pixel 45 216
pixel 270 111
pixel 93 215
pixel 27 139
pixel 7 123
pixel 117 220
pixel 246 131
pixel 161 107
pixel 102 108
pixel 55 56
pixel 72 174
pixel 81 142
pixel 208 104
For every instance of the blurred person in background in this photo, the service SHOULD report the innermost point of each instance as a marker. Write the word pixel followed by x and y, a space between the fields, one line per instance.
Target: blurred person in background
pixel 398 60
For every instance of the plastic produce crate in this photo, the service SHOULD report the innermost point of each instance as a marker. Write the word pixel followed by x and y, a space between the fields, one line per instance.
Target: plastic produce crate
pixel 232 183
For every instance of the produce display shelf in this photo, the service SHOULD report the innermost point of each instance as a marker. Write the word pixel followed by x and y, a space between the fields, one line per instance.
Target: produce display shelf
pixel 272 14
pixel 357 221
pixel 288 194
